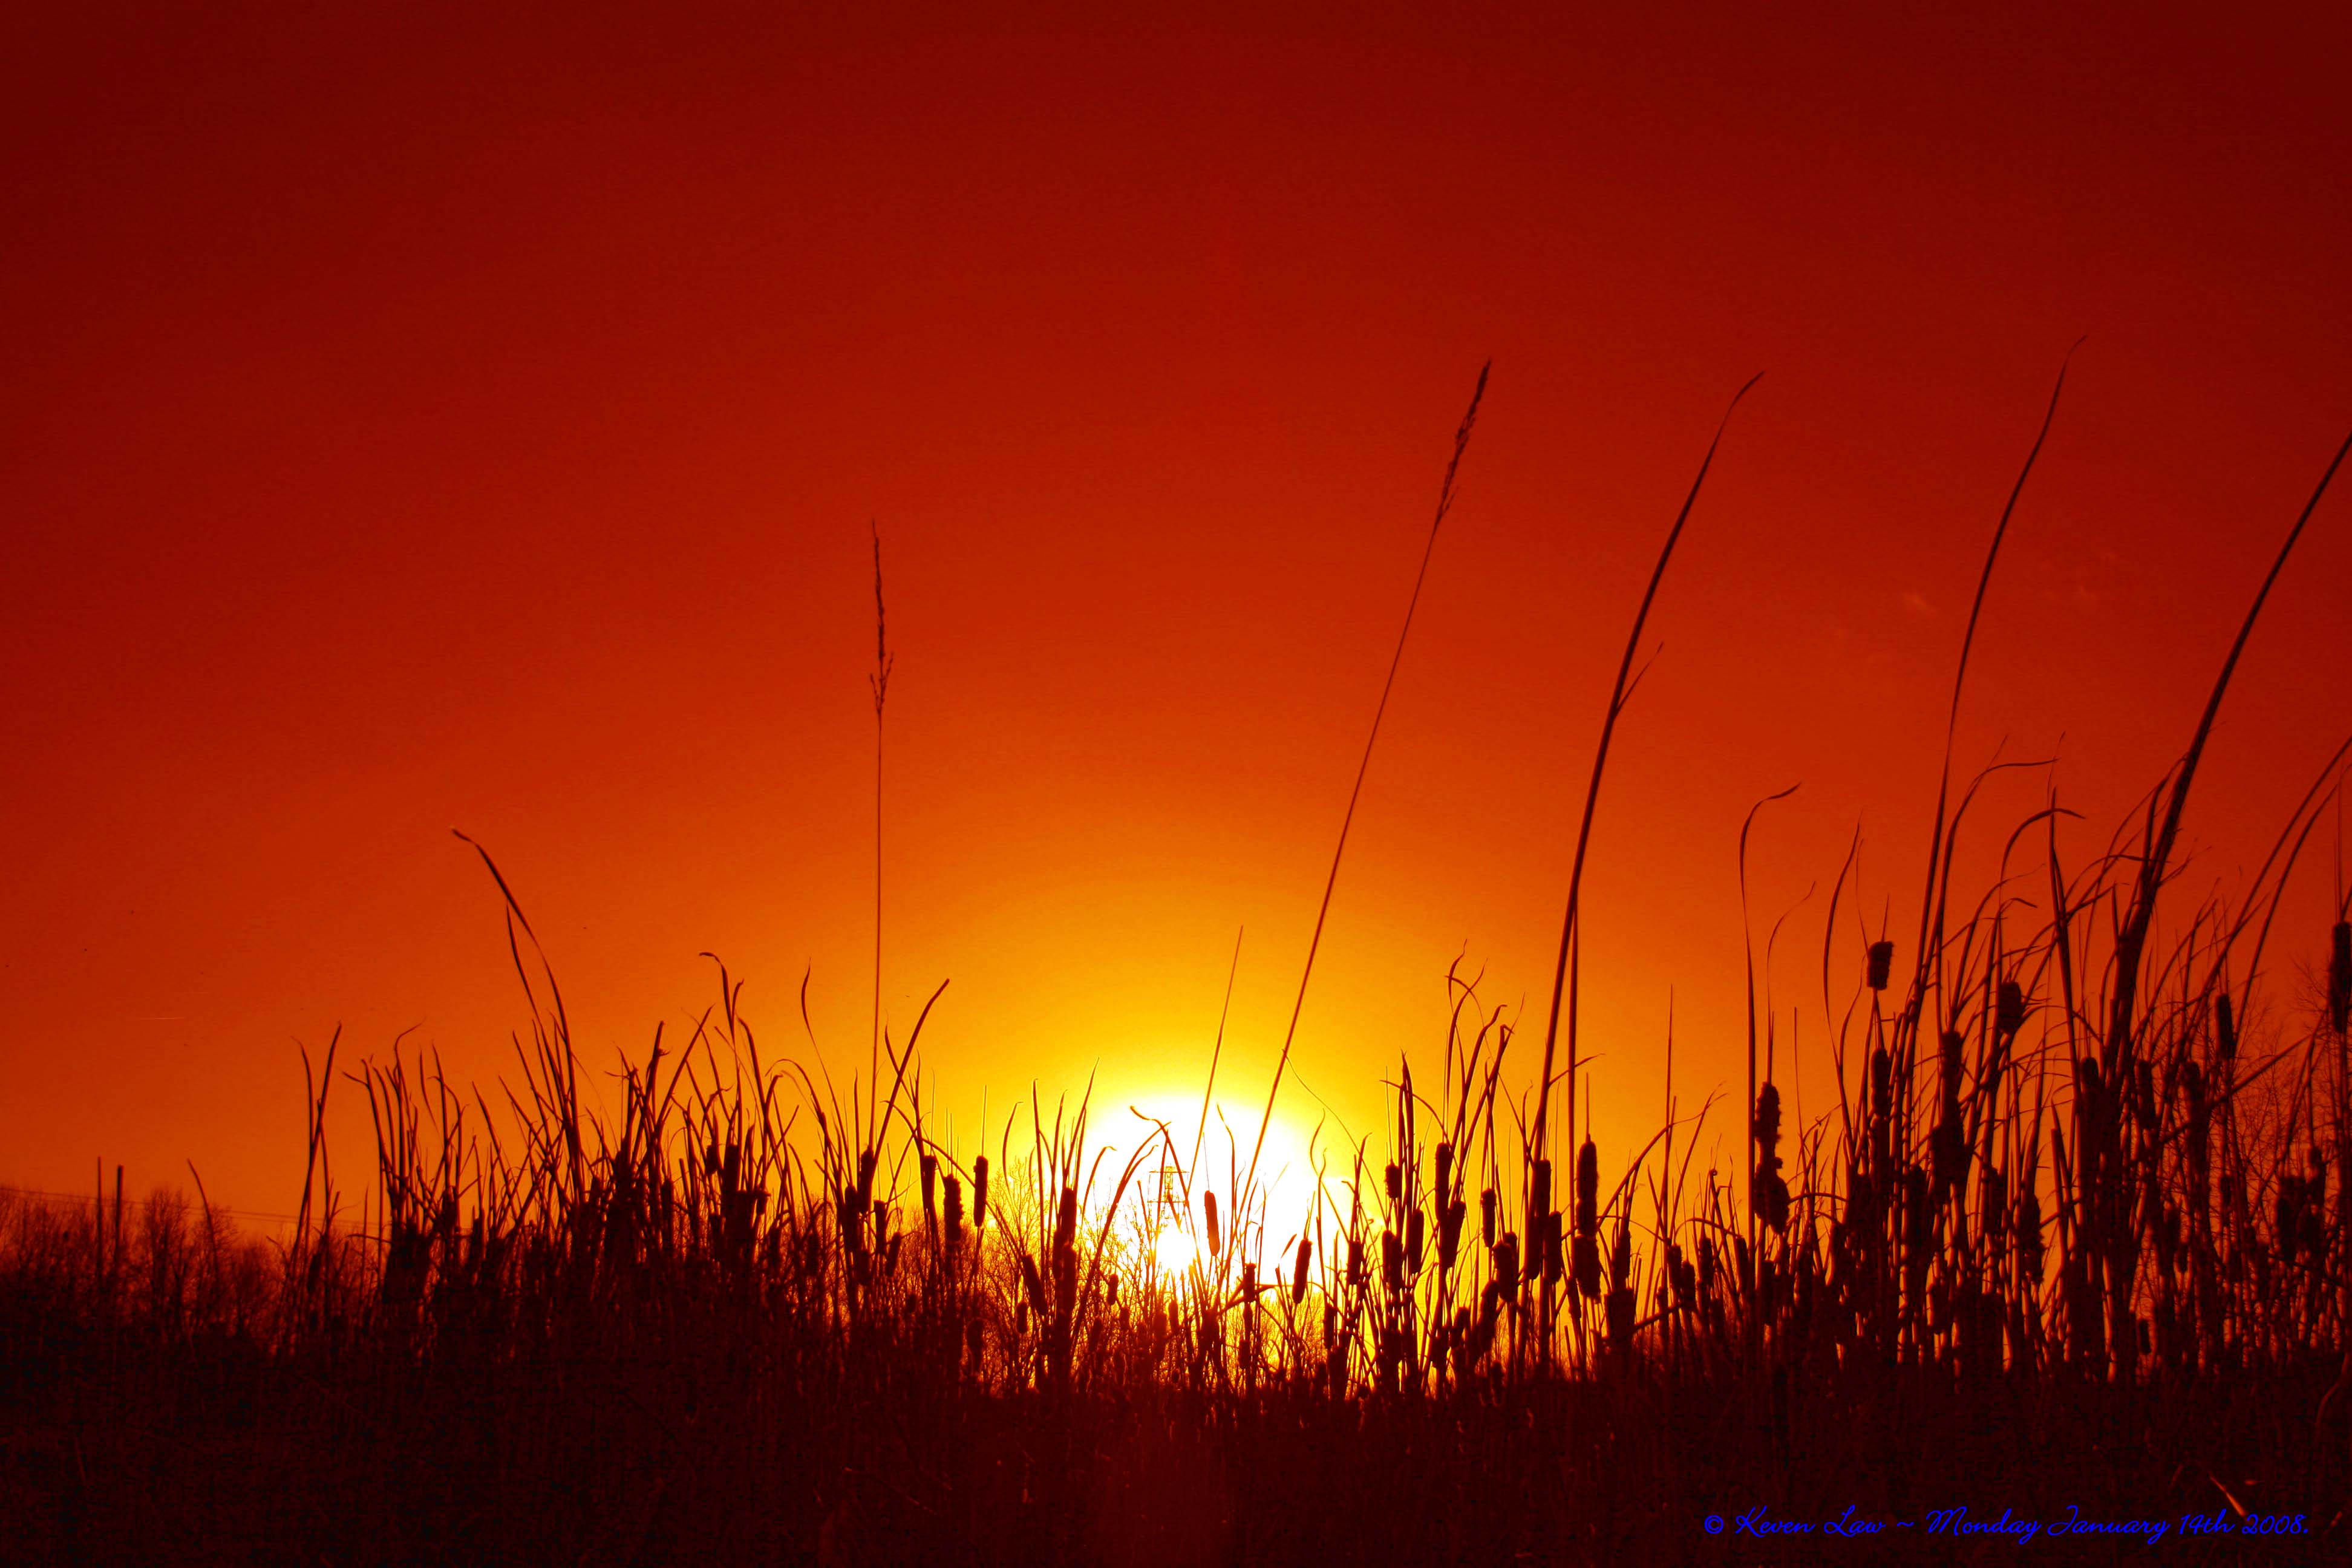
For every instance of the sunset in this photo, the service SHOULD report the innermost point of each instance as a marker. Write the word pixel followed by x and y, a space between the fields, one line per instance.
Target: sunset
pixel 1182 604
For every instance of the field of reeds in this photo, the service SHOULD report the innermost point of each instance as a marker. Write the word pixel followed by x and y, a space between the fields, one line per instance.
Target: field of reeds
pixel 2072 1246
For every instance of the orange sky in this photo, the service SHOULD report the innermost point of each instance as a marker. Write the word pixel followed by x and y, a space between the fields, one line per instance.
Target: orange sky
pixel 416 422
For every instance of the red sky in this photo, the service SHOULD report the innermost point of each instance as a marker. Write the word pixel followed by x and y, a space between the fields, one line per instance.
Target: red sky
pixel 418 420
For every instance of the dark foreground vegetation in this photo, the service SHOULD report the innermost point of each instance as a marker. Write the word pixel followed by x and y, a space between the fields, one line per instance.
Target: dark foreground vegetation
pixel 2073 1244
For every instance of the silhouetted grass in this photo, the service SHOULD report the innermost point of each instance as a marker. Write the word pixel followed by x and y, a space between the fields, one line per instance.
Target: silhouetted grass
pixel 2075 1235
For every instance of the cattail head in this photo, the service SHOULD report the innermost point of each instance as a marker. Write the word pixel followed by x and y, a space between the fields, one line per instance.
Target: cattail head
pixel 1298 1270
pixel 2008 1008
pixel 1587 1261
pixel 1392 1178
pixel 1065 1222
pixel 1392 1261
pixel 865 1175
pixel 980 1192
pixel 930 1170
pixel 1621 1318
pixel 1881 962
pixel 2340 977
pixel 1034 1285
pixel 954 1214
pixel 1414 1241
pixel 1767 1123
pixel 1449 1232
pixel 2225 1029
pixel 1486 1217
pixel 1682 1277
pixel 2087 1085
pixel 1507 1264
pixel 1954 1057
pixel 1918 1218
pixel 1588 1188
pixel 1445 1171
pixel 1772 1198
pixel 1209 1211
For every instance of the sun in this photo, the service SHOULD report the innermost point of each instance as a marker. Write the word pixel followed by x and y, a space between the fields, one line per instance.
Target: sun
pixel 1188 1162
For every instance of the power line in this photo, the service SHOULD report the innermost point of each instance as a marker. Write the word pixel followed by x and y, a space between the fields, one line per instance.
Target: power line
pixel 137 1203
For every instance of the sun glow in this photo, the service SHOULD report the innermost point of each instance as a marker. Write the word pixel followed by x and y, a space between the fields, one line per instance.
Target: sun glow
pixel 1186 1163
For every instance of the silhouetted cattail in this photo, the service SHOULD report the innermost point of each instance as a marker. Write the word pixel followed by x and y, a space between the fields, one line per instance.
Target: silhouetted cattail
pixel 2008 1008
pixel 1216 1238
pixel 1621 1318
pixel 1882 961
pixel 1449 1232
pixel 1413 1239
pixel 2225 1029
pixel 1356 1262
pixel 931 1175
pixel 1392 1261
pixel 1771 1194
pixel 1507 1264
pixel 865 1176
pixel 1066 1223
pixel 2193 1088
pixel 954 1216
pixel 980 1194
pixel 1298 1270
pixel 2340 977
pixel 1444 1173
pixel 1392 1178
pixel 1587 1251
pixel 1918 1223
pixel 1588 1188
pixel 1486 1217
pixel 2289 1218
